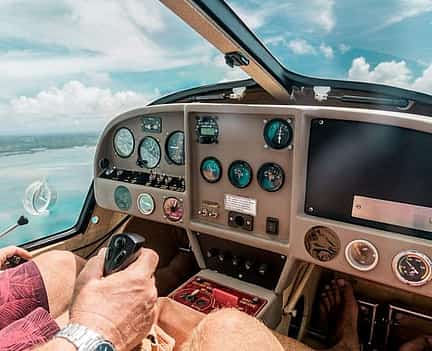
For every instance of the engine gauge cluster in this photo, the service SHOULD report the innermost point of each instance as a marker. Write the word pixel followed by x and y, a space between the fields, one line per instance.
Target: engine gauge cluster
pixel 278 133
pixel 211 170
pixel 240 174
pixel 271 177
pixel 412 267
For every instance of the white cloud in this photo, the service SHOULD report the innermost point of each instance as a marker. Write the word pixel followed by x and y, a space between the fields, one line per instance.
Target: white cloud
pixel 327 51
pixel 343 48
pixel 73 100
pixel 322 13
pixel 316 15
pixel 391 73
pixel 71 37
pixel 301 47
pixel 424 82
pixel 406 9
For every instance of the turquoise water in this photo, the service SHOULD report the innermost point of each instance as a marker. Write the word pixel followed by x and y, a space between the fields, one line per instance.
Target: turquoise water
pixel 68 170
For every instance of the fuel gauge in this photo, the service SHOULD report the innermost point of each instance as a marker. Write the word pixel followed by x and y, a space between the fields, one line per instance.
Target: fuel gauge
pixel 412 267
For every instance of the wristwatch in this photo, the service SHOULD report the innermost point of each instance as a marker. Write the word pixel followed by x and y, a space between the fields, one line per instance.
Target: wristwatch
pixel 84 338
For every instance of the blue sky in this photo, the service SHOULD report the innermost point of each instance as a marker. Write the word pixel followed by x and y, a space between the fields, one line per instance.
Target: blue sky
pixel 71 65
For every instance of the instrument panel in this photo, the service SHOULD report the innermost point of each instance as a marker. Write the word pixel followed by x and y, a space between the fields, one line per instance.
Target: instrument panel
pixel 241 173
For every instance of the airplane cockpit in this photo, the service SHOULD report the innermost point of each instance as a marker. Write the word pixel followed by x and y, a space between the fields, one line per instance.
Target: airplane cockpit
pixel 258 193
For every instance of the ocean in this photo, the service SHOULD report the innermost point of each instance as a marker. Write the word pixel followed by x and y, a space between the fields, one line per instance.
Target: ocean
pixel 65 162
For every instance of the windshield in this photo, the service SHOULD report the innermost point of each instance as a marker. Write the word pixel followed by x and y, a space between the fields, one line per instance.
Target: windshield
pixel 386 41
pixel 67 67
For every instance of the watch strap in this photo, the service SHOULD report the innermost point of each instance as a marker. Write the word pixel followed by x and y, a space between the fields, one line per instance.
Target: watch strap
pixel 83 338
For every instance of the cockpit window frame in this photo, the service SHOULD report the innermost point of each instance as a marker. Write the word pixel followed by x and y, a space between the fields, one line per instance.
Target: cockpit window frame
pixel 232 26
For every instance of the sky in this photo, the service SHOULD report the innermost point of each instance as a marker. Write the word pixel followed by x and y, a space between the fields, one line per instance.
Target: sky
pixel 72 65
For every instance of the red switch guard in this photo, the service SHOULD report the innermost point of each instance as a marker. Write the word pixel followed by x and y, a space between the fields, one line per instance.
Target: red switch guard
pixel 206 296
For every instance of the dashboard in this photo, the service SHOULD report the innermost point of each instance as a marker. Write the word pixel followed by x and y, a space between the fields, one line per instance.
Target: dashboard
pixel 260 188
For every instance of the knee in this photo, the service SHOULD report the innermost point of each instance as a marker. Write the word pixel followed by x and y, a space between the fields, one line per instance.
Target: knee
pixel 60 260
pixel 230 329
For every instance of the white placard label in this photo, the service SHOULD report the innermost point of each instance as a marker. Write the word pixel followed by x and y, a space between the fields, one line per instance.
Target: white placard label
pixel 240 204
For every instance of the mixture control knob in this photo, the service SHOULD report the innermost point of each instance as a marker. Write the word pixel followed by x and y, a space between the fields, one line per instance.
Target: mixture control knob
pixel 249 264
pixel 262 270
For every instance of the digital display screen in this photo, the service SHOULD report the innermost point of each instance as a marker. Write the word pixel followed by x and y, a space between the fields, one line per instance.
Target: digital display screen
pixel 207 131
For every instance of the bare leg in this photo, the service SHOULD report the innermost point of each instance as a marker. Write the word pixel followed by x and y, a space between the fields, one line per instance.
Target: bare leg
pixel 338 302
pixel 59 270
pixel 231 330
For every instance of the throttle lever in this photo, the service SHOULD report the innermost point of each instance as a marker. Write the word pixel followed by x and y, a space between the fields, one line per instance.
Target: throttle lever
pixel 122 250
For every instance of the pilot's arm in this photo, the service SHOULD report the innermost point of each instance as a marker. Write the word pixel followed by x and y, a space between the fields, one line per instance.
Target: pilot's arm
pixel 120 307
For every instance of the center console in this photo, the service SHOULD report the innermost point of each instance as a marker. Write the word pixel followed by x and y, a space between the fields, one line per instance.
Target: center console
pixel 209 291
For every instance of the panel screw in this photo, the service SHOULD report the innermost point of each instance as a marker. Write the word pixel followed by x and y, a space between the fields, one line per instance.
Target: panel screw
pixel 240 276
pixel 265 121
pixel 283 257
pixel 290 147
pixel 310 209
pixel 320 122
pixel 289 120
pixel 358 206
pixel 266 146
pixel 95 219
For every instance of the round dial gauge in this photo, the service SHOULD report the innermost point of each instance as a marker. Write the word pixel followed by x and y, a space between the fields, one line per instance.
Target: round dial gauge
pixel 271 177
pixel 173 209
pixel 278 133
pixel 361 255
pixel 149 153
pixel 211 169
pixel 175 148
pixel 412 268
pixel 146 204
pixel 240 174
pixel 124 142
pixel 122 198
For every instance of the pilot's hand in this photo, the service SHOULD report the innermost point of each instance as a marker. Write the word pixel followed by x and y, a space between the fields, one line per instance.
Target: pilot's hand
pixel 121 306
pixel 11 251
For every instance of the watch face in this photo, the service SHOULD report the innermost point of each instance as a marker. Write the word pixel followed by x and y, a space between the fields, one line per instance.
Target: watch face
pixel 104 346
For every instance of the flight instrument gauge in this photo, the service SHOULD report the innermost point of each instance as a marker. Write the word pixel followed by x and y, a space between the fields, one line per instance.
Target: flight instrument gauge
pixel 149 153
pixel 240 174
pixel 124 142
pixel 122 198
pixel 146 204
pixel 173 209
pixel 175 148
pixel 211 170
pixel 271 177
pixel 361 255
pixel 278 133
pixel 412 267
